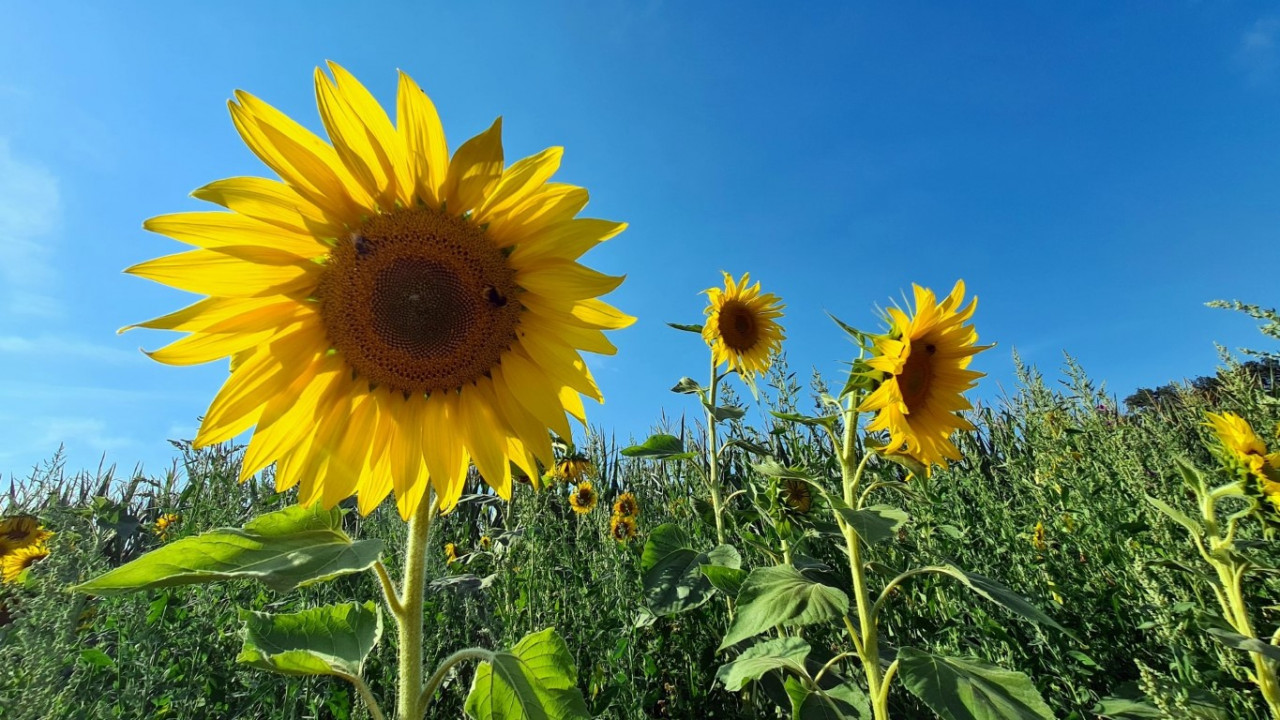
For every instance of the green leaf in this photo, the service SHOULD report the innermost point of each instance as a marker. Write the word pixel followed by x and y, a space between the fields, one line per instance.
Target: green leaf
pixel 1176 515
pixel 1124 708
pixel 846 701
pixel 535 680
pixel 725 579
pixel 874 524
pixel 823 421
pixel 773 468
pixel 283 549
pixel 967 689
pixel 1001 595
pixel 328 640
pixel 1241 642
pixel 663 540
pixel 777 654
pixel 780 595
pixel 96 658
pixel 687 386
pixel 659 447
pixel 725 412
pixel 695 329
pixel 675 582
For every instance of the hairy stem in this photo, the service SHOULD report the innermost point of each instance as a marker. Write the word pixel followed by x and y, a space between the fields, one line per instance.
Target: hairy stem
pixel 409 619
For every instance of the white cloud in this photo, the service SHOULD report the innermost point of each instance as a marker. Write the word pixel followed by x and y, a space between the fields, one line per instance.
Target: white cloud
pixel 54 347
pixel 1258 54
pixel 28 212
pixel 87 432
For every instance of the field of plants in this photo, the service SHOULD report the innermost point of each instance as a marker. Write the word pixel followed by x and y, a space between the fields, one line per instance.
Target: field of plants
pixel 1088 509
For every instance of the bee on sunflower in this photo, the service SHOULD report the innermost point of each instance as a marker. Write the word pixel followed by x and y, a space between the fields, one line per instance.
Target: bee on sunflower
pixel 622 528
pixel 626 505
pixel 584 498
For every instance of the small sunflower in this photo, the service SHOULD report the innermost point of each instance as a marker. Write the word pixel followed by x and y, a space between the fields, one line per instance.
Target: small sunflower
pixel 1038 537
pixel 797 495
pixel 485 542
pixel 575 468
pixel 626 505
pixel 450 553
pixel 392 315
pixel 19 531
pixel 12 565
pixel 622 528
pixel 165 524
pixel 742 326
pixel 921 363
pixel 584 498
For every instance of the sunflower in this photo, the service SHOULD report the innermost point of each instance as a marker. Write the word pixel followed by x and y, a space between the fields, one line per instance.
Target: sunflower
pixel 742 327
pixel 626 505
pixel 584 498
pixel 1243 446
pixel 575 468
pixel 921 367
pixel 165 523
pixel 391 314
pixel 450 553
pixel 1038 537
pixel 485 542
pixel 797 495
pixel 622 528
pixel 12 565
pixel 19 531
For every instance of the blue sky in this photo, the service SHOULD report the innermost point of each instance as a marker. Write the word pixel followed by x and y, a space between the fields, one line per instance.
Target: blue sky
pixel 1094 172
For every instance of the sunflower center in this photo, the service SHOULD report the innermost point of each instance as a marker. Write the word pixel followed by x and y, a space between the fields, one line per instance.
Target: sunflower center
pixel 917 375
pixel 419 301
pixel 738 326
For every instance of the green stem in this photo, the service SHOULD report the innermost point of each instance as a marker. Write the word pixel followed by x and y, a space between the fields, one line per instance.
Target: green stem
pixel 409 619
pixel 374 710
pixel 713 455
pixel 437 677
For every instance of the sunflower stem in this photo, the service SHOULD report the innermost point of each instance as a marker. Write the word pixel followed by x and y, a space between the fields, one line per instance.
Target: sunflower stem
pixel 409 619
pixel 437 677
pixel 713 454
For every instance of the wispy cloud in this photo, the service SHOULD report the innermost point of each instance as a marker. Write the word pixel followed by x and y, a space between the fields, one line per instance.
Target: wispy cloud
pixel 90 433
pixel 53 346
pixel 28 212
pixel 1258 53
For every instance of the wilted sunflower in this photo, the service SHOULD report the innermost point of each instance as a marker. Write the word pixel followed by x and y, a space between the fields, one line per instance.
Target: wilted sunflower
pixel 165 523
pixel 626 505
pixel 797 495
pixel 584 498
pixel 921 363
pixel 622 528
pixel 12 564
pixel 575 468
pixel 19 531
pixel 742 327
pixel 391 314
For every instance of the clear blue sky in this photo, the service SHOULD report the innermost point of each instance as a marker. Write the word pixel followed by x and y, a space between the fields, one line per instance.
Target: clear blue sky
pixel 1095 173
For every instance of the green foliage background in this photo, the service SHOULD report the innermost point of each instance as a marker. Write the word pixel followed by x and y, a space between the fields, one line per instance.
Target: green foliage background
pixel 1062 455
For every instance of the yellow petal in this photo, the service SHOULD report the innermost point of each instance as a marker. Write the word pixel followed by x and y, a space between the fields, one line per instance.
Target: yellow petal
pixel 383 140
pixel 530 386
pixel 572 403
pixel 474 171
pixel 232 272
pixel 566 241
pixel 560 362
pixel 290 416
pixel 443 449
pixel 484 434
pixel 351 451
pixel 271 202
pixel 519 181
pixel 534 435
pixel 199 348
pixel 226 229
pixel 409 470
pixel 352 143
pixel 419 127
pixel 566 280
pixel 200 315
pixel 551 204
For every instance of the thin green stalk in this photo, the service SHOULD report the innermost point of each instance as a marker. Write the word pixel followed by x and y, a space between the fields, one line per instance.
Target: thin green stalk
pixel 374 710
pixel 713 454
pixel 437 677
pixel 409 619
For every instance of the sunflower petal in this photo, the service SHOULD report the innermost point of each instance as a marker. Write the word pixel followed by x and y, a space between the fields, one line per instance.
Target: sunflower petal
pixel 270 201
pixel 519 181
pixel 474 171
pixel 420 130
pixel 231 272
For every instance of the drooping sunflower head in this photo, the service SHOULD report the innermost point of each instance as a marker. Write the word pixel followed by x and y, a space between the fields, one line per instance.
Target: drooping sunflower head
pixel 392 314
pixel 622 528
pixel 14 563
pixel 796 494
pixel 626 505
pixel 742 326
pixel 921 367
pixel 575 468
pixel 19 531
pixel 584 498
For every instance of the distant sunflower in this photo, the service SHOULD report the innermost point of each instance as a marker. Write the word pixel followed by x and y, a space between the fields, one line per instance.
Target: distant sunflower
pixel 450 553
pixel 12 564
pixel 797 495
pixel 622 528
pixel 742 327
pixel 1038 537
pixel 485 542
pixel 165 524
pixel 626 505
pixel 584 498
pixel 19 531
pixel 575 468
pixel 392 315
pixel 921 363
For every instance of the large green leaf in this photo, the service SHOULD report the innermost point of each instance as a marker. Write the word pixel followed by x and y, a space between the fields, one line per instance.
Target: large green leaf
pixel 329 640
pixel 659 447
pixel 725 579
pixel 535 680
pixel 282 549
pixel 674 582
pixel 966 689
pixel 1001 595
pixel 1241 642
pixel 846 701
pixel 875 523
pixel 663 540
pixel 777 654
pixel 780 595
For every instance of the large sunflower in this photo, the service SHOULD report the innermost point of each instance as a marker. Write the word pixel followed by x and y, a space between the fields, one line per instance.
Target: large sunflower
pixel 742 326
pixel 1242 444
pixel 12 564
pixel 921 366
pixel 392 315
pixel 19 531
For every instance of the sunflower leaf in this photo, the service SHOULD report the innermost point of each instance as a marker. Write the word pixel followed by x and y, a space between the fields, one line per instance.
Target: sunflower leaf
pixel 696 329
pixel 329 640
pixel 725 412
pixel 1242 642
pixel 874 524
pixel 767 655
pixel 1176 515
pixel 535 680
pixel 780 595
pixel 1001 595
pixel 687 386
pixel 845 701
pixel 284 550
pixel 967 689
pixel 659 447
pixel 828 421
